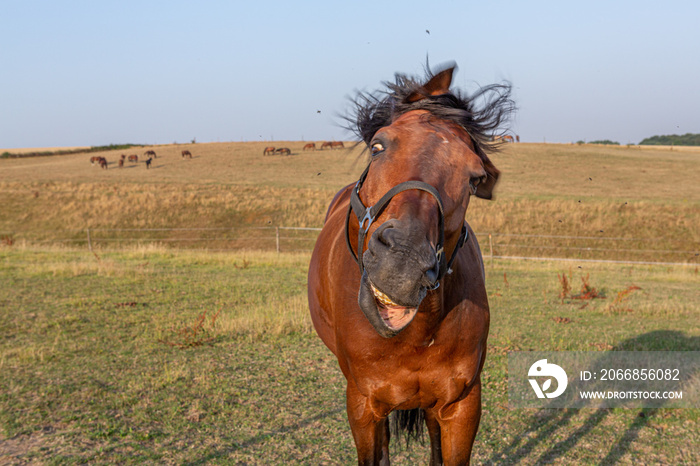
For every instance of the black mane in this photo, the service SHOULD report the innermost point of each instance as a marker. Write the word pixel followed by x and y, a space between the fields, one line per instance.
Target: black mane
pixel 379 109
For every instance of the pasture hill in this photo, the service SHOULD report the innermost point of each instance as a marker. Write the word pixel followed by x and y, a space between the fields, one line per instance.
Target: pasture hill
pixel 646 198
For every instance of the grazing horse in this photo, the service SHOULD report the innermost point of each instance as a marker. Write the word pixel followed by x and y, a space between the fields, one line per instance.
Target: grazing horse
pixel 103 163
pixel 186 154
pixel 327 144
pixel 310 146
pixel 337 145
pixel 396 281
pixel 133 158
pixel 284 151
pixel 269 150
pixel 508 138
pixel 151 153
pixel 121 162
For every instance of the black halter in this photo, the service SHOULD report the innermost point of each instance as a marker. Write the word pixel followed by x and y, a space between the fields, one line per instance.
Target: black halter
pixel 366 216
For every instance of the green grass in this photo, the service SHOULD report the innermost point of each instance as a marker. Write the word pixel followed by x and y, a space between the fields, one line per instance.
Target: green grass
pixel 92 373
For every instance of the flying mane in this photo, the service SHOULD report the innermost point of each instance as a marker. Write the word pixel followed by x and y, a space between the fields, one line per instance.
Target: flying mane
pixel 379 109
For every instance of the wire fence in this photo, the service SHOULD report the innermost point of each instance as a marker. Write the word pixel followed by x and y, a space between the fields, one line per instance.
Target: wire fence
pixel 667 251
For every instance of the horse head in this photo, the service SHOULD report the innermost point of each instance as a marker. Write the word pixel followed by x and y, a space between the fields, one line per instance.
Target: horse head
pixel 427 160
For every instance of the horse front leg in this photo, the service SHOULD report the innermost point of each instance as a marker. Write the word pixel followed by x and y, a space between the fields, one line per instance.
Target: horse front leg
pixel 435 441
pixel 370 429
pixel 459 423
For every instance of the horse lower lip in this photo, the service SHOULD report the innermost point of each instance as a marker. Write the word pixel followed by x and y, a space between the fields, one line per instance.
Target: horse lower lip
pixel 392 314
pixel 396 318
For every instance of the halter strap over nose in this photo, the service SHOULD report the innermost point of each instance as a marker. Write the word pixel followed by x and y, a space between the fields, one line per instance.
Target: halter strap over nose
pixel 366 216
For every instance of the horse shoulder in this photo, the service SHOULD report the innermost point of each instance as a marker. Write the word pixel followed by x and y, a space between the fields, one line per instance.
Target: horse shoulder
pixel 322 278
pixel 340 197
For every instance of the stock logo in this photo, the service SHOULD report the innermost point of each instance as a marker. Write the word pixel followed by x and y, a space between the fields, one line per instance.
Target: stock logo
pixel 542 368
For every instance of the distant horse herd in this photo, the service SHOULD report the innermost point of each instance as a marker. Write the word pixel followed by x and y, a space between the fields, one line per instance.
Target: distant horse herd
pixel 271 150
pixel 149 155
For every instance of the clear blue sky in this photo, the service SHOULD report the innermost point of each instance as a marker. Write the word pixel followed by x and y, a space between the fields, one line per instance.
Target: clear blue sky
pixel 100 72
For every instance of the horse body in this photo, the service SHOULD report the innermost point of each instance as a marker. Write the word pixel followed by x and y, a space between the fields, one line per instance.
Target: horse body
pixel 310 146
pixel 326 144
pixel 269 150
pixel 408 328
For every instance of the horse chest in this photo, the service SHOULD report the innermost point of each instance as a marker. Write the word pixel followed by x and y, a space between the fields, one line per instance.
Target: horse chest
pixel 413 377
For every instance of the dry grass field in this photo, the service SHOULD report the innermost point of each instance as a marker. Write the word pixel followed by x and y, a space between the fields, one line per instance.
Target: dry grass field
pixel 29 150
pixel 647 199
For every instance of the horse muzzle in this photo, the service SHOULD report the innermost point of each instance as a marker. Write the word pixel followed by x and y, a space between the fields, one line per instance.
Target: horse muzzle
pixel 399 271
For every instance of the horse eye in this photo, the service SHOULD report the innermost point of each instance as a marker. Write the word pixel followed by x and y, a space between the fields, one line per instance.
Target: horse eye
pixel 475 181
pixel 376 148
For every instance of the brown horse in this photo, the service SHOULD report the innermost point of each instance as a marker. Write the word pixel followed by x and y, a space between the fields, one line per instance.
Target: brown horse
pixel 186 154
pixel 396 290
pixel 284 151
pixel 151 153
pixel 103 163
pixel 508 138
pixel 269 150
pixel 133 158
pixel 310 146
pixel 337 145
pixel 327 144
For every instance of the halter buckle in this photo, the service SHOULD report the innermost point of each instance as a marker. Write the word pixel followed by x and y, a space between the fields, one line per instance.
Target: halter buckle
pixel 367 218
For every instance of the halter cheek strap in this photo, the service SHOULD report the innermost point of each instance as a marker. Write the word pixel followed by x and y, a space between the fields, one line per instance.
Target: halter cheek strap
pixel 366 216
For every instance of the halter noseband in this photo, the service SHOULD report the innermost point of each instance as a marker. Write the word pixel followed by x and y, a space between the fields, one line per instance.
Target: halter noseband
pixel 366 216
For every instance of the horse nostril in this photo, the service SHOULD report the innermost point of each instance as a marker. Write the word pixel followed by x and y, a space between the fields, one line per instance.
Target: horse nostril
pixel 432 273
pixel 387 236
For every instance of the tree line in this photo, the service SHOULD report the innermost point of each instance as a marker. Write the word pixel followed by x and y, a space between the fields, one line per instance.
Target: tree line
pixel 688 139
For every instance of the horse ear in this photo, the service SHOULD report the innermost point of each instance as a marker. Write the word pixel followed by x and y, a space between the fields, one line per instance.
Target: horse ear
pixel 485 189
pixel 438 85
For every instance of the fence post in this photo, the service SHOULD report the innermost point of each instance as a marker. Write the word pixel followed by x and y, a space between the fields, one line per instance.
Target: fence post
pixel 277 238
pixel 89 241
